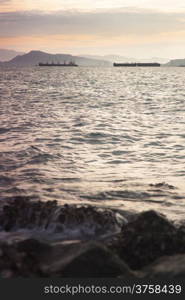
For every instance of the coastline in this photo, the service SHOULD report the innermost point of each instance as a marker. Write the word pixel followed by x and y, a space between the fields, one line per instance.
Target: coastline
pixel 43 239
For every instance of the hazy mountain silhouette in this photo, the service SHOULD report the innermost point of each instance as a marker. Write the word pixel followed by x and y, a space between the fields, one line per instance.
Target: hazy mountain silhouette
pixel 34 57
pixel 119 58
pixel 110 58
pixel 6 54
pixel 176 62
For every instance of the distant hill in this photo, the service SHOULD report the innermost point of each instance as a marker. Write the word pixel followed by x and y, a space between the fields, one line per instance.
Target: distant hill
pixel 34 57
pixel 6 55
pixel 119 58
pixel 176 62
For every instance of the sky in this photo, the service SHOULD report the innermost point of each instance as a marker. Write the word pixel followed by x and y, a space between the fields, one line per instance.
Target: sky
pixel 132 28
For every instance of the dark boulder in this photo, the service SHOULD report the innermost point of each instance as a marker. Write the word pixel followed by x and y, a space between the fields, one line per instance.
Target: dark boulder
pixel 22 259
pixel 166 268
pixel 32 258
pixel 97 261
pixel 147 238
pixel 22 213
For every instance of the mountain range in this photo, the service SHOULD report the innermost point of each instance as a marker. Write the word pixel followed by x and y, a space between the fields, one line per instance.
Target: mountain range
pixel 34 57
pixel 176 63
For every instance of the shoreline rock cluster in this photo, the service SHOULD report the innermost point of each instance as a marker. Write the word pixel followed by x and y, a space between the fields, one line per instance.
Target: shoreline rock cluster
pixel 85 241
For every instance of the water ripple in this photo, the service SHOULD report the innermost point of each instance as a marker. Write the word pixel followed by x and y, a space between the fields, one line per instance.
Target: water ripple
pixel 94 134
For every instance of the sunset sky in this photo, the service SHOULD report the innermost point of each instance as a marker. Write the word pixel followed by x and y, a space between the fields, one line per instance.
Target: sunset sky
pixel 134 28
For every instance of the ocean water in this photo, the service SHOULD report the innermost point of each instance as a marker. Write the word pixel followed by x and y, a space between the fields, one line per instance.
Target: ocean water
pixel 111 137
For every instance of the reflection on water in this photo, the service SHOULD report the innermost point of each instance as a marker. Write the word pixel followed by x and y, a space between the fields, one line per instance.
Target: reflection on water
pixel 98 135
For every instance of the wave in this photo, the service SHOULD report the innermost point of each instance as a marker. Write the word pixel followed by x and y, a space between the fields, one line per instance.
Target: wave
pixel 20 215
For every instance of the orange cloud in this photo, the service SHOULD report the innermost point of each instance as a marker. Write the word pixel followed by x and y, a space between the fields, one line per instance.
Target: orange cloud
pixel 74 42
pixel 13 5
pixel 44 42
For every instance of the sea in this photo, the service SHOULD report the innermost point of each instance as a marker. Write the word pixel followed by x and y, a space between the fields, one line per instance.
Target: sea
pixel 103 136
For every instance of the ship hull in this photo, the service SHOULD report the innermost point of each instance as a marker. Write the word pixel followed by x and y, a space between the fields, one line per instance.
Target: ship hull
pixel 136 65
pixel 57 65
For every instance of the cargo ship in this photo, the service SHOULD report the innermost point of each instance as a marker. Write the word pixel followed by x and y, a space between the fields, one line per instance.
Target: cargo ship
pixel 136 65
pixel 70 64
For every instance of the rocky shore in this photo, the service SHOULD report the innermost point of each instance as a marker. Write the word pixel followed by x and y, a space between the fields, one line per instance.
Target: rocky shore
pixel 43 239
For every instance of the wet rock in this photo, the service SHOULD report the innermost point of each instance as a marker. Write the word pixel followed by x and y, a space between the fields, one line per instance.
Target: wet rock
pixel 22 213
pixel 96 261
pixel 33 247
pixel 7 264
pixel 170 267
pixel 32 258
pixel 122 246
pixel 90 221
pixel 60 255
pixel 73 220
pixel 22 259
pixel 77 259
pixel 147 238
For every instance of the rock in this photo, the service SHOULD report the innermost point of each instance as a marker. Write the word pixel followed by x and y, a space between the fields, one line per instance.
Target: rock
pixel 6 274
pixel 119 252
pixel 181 238
pixel 23 258
pixel 77 259
pixel 72 220
pixel 90 221
pixel 60 255
pixel 147 238
pixel 9 259
pixel 170 267
pixel 32 258
pixel 22 213
pixel 96 261
pixel 34 248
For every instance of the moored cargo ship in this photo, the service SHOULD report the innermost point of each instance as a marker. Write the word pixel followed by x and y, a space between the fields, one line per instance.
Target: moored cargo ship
pixel 70 64
pixel 136 65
